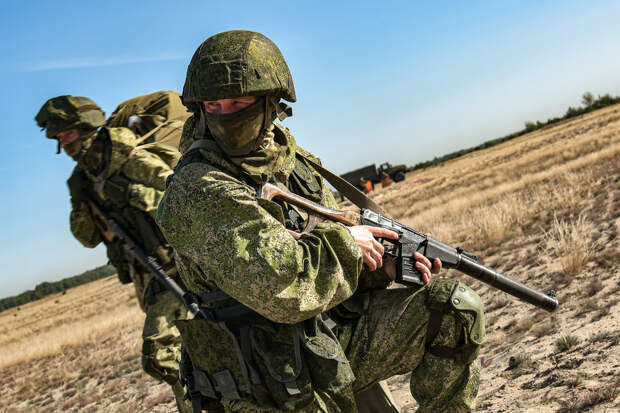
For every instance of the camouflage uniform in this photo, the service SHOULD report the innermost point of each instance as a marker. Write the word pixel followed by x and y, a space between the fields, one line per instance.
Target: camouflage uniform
pixel 128 189
pixel 297 324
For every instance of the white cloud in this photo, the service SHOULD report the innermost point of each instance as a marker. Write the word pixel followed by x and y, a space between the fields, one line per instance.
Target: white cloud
pixel 85 62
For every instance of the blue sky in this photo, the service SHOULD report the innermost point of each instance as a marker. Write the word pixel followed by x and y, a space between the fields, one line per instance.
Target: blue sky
pixel 397 81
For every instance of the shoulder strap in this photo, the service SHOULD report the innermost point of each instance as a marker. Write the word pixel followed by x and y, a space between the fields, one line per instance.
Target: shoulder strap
pixel 352 193
pixel 193 154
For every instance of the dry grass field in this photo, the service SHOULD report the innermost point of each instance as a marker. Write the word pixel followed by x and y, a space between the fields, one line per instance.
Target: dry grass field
pixel 543 208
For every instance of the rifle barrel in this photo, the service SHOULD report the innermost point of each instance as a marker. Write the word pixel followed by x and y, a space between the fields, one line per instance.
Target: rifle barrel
pixel 487 275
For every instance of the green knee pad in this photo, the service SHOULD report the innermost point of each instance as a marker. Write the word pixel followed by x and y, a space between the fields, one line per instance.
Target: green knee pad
pixel 447 296
pixel 465 300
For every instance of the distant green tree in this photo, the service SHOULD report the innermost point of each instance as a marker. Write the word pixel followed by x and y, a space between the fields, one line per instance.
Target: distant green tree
pixel 587 99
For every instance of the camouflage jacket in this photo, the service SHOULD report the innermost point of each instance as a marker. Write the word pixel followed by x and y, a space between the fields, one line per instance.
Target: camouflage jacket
pixel 225 238
pixel 128 190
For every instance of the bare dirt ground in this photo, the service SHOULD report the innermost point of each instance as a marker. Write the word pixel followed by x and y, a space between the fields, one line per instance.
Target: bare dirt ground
pixel 543 208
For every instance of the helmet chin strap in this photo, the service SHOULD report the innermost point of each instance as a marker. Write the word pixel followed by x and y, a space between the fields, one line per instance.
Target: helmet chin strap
pixel 201 127
pixel 57 146
pixel 281 111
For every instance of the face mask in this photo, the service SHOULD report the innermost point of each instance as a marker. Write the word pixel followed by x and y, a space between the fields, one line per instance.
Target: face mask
pixel 238 133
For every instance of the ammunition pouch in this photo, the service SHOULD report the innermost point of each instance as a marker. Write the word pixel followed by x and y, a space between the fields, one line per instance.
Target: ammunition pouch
pixel 447 296
pixel 237 354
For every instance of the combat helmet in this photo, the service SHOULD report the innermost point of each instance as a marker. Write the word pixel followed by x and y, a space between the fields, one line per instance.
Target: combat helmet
pixel 68 112
pixel 237 63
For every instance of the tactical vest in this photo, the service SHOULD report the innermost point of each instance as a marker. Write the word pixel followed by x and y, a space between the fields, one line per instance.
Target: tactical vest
pixel 233 353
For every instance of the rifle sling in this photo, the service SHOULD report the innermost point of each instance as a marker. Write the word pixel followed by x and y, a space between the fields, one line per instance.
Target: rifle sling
pixel 345 188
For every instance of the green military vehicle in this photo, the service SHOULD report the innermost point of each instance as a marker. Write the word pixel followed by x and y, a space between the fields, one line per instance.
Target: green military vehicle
pixel 374 174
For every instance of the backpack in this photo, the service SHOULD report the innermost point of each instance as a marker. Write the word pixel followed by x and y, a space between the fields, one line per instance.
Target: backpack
pixel 157 119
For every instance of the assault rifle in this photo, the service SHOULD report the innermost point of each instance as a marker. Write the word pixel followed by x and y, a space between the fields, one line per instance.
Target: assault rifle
pixel 111 231
pixel 409 241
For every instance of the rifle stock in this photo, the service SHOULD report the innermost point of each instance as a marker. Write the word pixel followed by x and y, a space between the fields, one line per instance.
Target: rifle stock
pixel 410 241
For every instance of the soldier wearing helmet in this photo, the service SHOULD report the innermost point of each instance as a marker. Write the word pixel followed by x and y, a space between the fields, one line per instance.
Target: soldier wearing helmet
pixel 294 324
pixel 124 175
pixel 72 121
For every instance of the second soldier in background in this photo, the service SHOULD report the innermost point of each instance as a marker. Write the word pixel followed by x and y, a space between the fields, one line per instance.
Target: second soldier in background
pixel 122 167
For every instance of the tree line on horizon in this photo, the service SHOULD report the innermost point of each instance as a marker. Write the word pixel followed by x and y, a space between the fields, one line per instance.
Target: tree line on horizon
pixel 46 288
pixel 589 104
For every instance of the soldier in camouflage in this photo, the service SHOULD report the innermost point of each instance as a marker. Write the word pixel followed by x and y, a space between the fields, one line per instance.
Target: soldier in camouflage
pixel 293 324
pixel 125 174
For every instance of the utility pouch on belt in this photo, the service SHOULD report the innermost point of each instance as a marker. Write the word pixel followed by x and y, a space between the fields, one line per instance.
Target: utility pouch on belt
pixel 240 355
pixel 219 369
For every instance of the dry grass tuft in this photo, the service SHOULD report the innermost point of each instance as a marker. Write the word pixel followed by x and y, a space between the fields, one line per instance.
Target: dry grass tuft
pixel 570 242
pixel 544 329
pixel 565 343
pixel 520 363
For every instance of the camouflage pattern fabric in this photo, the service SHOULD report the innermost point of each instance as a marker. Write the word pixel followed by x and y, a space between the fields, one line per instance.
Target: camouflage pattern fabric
pixel 161 350
pixel 226 239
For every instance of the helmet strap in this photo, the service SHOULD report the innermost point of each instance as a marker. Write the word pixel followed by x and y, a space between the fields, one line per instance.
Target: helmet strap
pixel 201 127
pixel 283 110
pixel 57 146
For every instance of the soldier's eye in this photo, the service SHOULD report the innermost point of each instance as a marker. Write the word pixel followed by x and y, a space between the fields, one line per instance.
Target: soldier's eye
pixel 212 106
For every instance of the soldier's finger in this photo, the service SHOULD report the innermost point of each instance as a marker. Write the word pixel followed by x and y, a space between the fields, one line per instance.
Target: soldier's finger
pixel 370 262
pixel 382 233
pixel 436 266
pixel 378 258
pixel 421 258
pixel 378 247
pixel 425 271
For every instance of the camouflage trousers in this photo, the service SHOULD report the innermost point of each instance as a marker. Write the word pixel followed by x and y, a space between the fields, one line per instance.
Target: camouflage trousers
pixel 390 338
pixel 161 347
